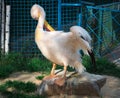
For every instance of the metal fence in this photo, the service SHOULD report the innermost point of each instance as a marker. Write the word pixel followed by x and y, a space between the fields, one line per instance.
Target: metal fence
pixel 22 26
pixel 102 22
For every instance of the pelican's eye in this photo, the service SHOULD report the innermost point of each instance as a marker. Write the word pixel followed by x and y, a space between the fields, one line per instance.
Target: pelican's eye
pixel 82 37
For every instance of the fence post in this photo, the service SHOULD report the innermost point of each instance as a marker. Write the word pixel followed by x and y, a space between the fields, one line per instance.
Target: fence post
pixel 3 28
pixel 7 29
pixel 59 14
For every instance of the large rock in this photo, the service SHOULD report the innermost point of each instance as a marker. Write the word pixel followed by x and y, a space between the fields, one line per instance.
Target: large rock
pixel 85 84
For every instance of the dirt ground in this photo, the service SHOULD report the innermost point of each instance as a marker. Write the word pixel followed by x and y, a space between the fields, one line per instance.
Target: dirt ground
pixel 110 90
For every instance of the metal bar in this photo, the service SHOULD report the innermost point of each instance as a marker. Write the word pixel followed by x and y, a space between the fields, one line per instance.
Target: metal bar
pixel 59 14
pixel 106 5
pixel 70 4
pixel 87 3
pixel 106 9
pixel 3 28
pixel 116 21
pixel 99 46
pixel 94 33
pixel 102 24
pixel 79 19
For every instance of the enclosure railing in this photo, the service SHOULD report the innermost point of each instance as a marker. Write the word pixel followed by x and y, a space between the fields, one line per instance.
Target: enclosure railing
pixel 104 26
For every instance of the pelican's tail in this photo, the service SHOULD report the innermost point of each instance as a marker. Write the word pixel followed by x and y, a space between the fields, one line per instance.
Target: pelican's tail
pixel 79 67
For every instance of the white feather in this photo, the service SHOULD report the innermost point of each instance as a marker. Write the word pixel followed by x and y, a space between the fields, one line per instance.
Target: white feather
pixel 81 32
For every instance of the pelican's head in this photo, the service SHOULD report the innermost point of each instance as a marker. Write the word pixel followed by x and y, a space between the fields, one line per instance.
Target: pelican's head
pixel 37 11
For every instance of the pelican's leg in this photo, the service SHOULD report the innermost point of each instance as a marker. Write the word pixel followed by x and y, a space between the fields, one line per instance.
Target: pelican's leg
pixel 53 69
pixel 52 74
pixel 60 81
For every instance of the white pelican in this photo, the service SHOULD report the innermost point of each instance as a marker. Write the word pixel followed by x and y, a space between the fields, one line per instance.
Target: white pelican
pixel 60 47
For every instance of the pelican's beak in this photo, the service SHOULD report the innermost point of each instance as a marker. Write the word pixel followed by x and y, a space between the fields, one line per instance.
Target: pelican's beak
pixel 48 27
pixel 92 59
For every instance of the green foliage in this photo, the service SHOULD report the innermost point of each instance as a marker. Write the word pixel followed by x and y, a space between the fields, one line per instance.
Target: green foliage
pixel 22 95
pixel 3 88
pixel 40 77
pixel 21 90
pixel 37 64
pixel 6 70
pixel 87 63
pixel 21 86
pixel 11 62
pixel 13 59
pixel 103 66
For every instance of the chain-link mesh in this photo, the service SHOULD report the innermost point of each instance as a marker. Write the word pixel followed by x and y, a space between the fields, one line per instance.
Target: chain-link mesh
pixel 104 26
pixel 22 26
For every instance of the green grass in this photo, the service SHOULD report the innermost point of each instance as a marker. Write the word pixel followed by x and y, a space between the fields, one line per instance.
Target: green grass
pixel 104 67
pixel 37 64
pixel 40 77
pixel 19 90
pixel 6 70
pixel 16 62
pixel 10 63
pixel 19 86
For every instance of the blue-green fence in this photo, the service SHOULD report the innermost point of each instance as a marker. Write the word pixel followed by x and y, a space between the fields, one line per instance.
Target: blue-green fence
pixel 102 22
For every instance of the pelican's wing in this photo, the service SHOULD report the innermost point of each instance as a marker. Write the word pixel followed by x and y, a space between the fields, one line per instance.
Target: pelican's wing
pixel 82 37
pixel 81 32
pixel 84 40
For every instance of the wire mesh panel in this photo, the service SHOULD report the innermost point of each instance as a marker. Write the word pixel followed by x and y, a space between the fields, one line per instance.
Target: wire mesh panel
pixel 22 26
pixel 104 26
pixel 102 23
pixel 70 17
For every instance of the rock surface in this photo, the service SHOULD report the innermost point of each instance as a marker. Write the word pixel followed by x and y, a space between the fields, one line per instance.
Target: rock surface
pixel 85 84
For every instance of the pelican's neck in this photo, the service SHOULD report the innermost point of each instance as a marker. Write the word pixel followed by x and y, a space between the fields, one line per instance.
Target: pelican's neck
pixel 40 23
pixel 39 30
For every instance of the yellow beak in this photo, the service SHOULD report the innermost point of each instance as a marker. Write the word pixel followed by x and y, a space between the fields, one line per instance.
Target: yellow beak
pixel 48 27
